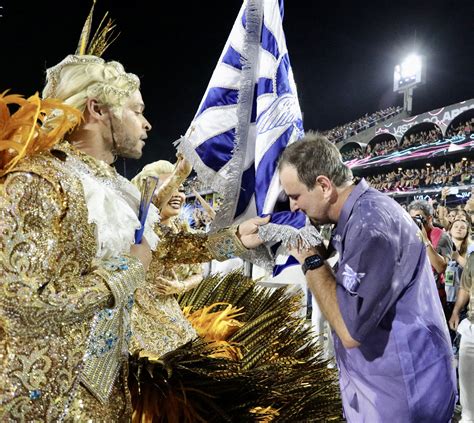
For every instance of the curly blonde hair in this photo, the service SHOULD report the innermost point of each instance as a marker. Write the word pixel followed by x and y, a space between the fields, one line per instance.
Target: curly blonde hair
pixel 78 78
pixel 152 169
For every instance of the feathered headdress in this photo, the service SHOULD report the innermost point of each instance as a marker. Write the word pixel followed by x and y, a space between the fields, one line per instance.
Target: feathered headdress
pixel 88 50
pixel 23 132
pixel 102 39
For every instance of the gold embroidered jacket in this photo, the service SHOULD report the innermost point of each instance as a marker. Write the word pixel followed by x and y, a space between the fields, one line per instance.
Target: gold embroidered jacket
pixel 58 307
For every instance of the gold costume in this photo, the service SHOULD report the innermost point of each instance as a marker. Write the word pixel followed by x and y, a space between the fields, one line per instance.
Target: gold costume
pixel 158 324
pixel 63 312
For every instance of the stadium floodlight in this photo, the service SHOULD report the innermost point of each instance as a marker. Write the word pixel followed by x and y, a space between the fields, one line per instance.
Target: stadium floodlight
pixel 408 75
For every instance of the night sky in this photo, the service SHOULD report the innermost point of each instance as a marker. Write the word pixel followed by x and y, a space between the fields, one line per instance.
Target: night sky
pixel 342 54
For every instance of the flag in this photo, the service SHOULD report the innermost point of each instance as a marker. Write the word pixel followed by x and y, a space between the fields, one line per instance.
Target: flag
pixel 248 115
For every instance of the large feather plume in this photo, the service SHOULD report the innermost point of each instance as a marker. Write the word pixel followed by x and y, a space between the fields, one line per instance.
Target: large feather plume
pixel 279 375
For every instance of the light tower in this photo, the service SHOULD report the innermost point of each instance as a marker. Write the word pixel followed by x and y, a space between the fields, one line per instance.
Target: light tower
pixel 407 76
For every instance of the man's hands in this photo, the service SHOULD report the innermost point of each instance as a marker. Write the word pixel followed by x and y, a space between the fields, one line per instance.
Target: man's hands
pixel 142 252
pixel 301 254
pixel 248 231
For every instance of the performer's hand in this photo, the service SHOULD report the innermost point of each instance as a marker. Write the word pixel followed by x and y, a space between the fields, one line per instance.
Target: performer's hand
pixel 169 286
pixel 183 166
pixel 142 252
pixel 248 231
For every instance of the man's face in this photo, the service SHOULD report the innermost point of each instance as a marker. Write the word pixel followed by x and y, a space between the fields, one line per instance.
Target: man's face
pixel 311 202
pixel 130 128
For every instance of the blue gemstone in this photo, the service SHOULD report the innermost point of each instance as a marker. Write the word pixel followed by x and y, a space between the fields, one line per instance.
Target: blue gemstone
pixel 35 394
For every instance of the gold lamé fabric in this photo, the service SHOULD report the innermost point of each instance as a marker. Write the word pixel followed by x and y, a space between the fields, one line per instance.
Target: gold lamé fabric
pixel 158 324
pixel 49 295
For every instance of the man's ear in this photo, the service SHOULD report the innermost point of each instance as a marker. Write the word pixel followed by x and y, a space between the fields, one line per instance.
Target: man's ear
pixel 94 109
pixel 325 183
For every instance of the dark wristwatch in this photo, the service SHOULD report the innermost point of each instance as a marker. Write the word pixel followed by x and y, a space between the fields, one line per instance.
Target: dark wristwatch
pixel 312 262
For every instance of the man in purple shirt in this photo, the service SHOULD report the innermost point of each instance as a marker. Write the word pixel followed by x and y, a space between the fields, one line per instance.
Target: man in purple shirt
pixel 392 344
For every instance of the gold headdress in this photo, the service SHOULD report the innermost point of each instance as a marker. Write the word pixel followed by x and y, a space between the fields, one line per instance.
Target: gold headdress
pixel 87 51
pixel 102 39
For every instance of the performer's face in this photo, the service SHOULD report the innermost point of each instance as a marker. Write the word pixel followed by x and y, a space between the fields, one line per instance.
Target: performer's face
pixel 130 127
pixel 173 207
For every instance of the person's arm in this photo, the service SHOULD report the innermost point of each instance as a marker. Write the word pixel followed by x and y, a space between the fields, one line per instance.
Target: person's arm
pixel 461 300
pixel 356 299
pixel 181 171
pixel 189 247
pixel 442 210
pixel 459 258
pixel 437 260
pixel 205 205
pixel 467 281
pixel 322 284
pixel 42 271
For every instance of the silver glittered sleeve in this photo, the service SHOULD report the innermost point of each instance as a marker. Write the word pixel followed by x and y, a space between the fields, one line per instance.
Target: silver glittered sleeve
pixel 290 237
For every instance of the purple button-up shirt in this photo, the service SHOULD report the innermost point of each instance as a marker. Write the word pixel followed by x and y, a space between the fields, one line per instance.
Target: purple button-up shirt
pixel 403 370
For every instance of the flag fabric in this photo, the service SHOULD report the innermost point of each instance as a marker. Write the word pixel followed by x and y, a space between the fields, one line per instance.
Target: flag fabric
pixel 248 115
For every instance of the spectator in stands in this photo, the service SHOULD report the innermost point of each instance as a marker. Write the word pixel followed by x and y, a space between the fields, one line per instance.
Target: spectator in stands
pixel 392 345
pixel 462 214
pixel 343 132
pixel 208 213
pixel 469 208
pixel 445 175
pixel 459 231
pixel 439 246
pixel 463 129
pixel 466 348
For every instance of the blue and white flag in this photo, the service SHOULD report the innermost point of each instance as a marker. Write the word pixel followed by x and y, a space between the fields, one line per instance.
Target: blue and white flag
pixel 248 115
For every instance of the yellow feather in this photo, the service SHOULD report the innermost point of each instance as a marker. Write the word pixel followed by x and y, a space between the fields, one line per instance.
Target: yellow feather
pixel 24 132
pixel 85 33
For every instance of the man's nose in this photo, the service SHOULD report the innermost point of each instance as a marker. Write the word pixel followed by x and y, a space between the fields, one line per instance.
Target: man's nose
pixel 293 206
pixel 147 125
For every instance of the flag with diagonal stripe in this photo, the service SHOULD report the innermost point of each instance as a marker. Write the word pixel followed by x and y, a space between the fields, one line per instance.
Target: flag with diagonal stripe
pixel 248 115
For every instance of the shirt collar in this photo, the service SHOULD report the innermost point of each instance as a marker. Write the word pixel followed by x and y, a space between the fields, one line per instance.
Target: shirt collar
pixel 347 207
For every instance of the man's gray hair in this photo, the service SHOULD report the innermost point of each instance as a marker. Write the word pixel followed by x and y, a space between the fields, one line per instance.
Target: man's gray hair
pixel 422 205
pixel 313 156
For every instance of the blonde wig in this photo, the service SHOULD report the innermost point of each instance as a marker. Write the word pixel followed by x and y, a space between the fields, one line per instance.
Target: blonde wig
pixel 155 169
pixel 80 77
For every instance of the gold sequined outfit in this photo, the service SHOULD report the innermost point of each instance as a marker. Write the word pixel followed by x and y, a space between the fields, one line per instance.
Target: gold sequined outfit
pixel 62 310
pixel 158 324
